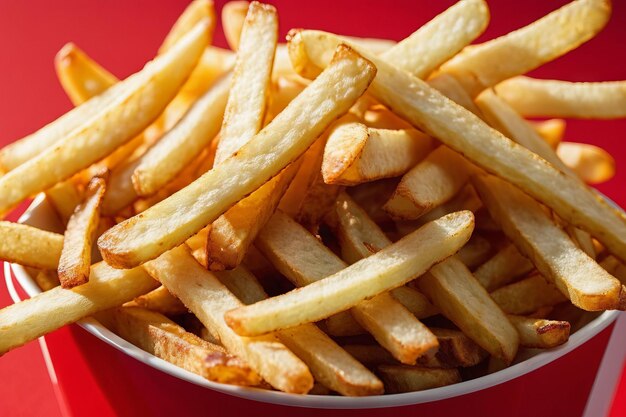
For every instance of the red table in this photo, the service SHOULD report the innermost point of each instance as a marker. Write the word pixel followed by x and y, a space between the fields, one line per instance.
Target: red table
pixel 123 35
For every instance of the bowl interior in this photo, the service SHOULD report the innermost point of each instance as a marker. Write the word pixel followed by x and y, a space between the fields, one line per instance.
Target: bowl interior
pixel 42 215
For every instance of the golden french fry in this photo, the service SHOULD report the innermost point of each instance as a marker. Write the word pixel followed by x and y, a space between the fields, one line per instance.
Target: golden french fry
pixel 160 300
pixel 527 295
pixel 591 163
pixel 153 87
pixel 75 260
pixel 556 257
pixel 481 66
pixel 196 11
pixel 163 338
pixel 614 267
pixel 137 240
pixel 299 256
pixel 429 184
pixel 387 269
pixel 554 98
pixel 47 279
pixel 64 197
pixel 475 252
pixel 402 378
pixel 456 350
pixel 356 153
pixel 328 362
pixel 450 87
pixel 29 246
pixel 233 17
pixel 80 76
pixel 107 287
pixel 452 288
pixel 209 299
pixel 551 130
pixel 502 268
pixel 464 132
pixel 538 333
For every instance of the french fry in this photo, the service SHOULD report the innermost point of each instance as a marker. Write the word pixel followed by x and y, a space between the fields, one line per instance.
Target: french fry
pixel 75 260
pixel 475 252
pixel 163 338
pixel 551 130
pixel 160 300
pixel 64 197
pixel 209 299
pixel 456 350
pixel 180 145
pixel 503 268
pixel 591 163
pixel 614 267
pixel 452 288
pixel 29 246
pixel 387 269
pixel 282 141
pixel 79 75
pixel 527 295
pixel 355 153
pixel 431 183
pixel 402 378
pixel 47 279
pixel 300 257
pixel 233 17
pixel 554 98
pixel 107 287
pixel 195 12
pixel 329 363
pixel 450 87
pixel 556 257
pixel 464 132
pixel 538 333
pixel 370 355
pixel 99 136
pixel 481 66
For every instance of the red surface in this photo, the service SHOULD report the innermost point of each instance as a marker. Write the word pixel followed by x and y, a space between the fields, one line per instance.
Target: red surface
pixel 122 35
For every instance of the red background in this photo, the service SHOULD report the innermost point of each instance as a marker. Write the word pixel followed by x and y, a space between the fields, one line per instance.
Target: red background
pixel 123 35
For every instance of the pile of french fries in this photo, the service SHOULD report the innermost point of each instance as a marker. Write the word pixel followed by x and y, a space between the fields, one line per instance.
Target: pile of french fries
pixel 330 215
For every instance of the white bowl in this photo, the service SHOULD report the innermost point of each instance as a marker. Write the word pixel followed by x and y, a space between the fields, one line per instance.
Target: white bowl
pixel 41 215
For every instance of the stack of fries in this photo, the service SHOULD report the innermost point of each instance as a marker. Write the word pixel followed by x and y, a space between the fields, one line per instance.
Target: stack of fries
pixel 411 226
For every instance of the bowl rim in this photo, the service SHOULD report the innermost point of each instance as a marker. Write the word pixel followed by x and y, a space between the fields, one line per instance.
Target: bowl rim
pixel 37 211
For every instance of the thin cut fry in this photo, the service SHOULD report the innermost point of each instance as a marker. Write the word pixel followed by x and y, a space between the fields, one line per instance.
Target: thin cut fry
pixel 538 333
pixel 502 268
pixel 209 299
pixel 196 11
pixel 484 65
pixel 29 246
pixel 75 260
pixel 107 287
pixel 300 257
pixel 461 130
pixel 147 94
pixel 591 163
pixel 527 296
pixel 164 226
pixel 556 257
pixel 399 378
pixel 553 98
pixel 388 269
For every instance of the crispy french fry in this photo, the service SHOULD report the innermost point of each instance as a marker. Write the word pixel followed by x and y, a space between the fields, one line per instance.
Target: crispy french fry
pixel 452 288
pixel 450 87
pixel 402 378
pixel 556 257
pixel 107 287
pixel 79 75
pixel 591 163
pixel 75 260
pixel 527 295
pixel 29 246
pixel 614 267
pixel 475 252
pixel 388 269
pixel 300 257
pixel 553 98
pixel 233 17
pixel 551 130
pixel 464 132
pixel 329 363
pixel 538 333
pixel 484 65
pixel 196 11
pixel 282 141
pixel 160 300
pixel 355 153
pixel 47 279
pixel 180 145
pixel 163 338
pixel 209 299
pixel 456 350
pixel 503 268
pixel 429 184
pixel 99 136
pixel 64 197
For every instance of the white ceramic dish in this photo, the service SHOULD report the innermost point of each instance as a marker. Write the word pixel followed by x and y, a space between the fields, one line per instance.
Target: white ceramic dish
pixel 40 214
